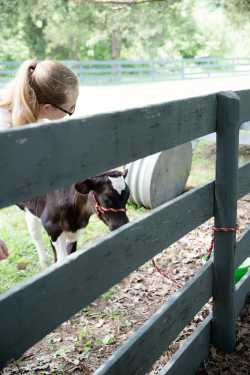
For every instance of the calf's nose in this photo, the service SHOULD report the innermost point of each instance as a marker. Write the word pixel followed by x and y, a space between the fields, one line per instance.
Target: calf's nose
pixel 119 223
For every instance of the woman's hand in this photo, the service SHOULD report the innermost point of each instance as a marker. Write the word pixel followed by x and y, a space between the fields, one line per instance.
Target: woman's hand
pixel 3 250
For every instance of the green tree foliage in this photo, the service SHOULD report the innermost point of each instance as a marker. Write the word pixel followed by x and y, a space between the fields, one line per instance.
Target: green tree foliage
pixel 236 8
pixel 237 12
pixel 106 29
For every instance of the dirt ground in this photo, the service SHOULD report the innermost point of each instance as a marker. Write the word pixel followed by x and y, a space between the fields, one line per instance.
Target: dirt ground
pixel 82 344
pixel 237 363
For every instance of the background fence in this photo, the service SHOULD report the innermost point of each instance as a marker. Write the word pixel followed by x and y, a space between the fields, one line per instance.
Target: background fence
pixel 132 70
pixel 119 138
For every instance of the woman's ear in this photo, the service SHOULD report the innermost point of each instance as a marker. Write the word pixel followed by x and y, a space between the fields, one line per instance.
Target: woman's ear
pixel 44 110
pixel 47 107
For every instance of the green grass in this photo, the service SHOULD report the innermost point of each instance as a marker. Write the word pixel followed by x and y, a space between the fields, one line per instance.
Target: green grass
pixel 203 164
pixel 23 260
pixel 14 232
pixel 204 159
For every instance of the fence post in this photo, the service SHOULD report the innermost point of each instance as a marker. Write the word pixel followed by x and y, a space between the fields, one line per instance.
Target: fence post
pixel 226 182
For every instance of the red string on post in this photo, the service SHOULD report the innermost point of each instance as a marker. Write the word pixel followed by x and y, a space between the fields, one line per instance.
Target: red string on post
pixel 219 229
pixel 215 229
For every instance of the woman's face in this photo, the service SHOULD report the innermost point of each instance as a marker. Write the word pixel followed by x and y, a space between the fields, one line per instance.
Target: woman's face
pixel 52 112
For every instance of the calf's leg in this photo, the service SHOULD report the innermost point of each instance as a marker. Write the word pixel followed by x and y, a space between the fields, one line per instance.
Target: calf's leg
pixel 35 230
pixel 61 247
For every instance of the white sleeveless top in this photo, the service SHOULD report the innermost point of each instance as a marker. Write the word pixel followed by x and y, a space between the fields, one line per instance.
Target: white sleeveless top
pixel 5 119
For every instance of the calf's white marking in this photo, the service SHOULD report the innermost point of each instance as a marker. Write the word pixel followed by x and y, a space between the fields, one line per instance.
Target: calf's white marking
pixel 118 184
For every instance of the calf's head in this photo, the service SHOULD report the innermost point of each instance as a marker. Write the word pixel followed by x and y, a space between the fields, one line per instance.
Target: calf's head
pixel 108 194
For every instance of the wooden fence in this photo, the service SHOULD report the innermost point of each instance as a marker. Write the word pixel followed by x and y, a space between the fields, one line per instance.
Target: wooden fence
pixel 39 158
pixel 133 70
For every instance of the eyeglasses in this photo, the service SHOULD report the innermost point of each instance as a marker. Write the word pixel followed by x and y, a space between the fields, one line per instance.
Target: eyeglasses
pixel 64 110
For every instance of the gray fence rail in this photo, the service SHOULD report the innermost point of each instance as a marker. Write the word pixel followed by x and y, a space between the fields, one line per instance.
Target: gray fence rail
pixel 118 138
pixel 133 70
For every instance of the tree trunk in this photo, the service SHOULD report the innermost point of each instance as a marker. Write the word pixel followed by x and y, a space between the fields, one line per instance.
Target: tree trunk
pixel 116 44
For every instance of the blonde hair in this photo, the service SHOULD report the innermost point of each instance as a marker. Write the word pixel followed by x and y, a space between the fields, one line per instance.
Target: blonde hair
pixel 45 82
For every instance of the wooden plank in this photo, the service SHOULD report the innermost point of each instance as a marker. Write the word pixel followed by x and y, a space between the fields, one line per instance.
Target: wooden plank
pixel 242 248
pixel 82 278
pixel 244 96
pixel 244 180
pixel 39 158
pixel 192 353
pixel 225 213
pixel 138 354
pixel 241 291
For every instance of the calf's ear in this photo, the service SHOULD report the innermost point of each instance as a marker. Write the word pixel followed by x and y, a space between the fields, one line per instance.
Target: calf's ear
pixel 125 172
pixel 92 183
pixel 84 187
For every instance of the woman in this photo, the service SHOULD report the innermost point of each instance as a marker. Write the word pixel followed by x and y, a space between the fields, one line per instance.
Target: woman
pixel 39 91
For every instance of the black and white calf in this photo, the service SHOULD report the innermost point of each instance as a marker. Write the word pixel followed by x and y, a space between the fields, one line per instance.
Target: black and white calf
pixel 65 212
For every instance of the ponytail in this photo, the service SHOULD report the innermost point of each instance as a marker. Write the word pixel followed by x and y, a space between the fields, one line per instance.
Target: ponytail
pixel 24 101
pixel 20 98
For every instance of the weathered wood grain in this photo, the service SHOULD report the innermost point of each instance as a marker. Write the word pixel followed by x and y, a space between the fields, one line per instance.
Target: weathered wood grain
pixel 138 354
pixel 52 297
pixel 41 158
pixel 244 180
pixel 192 353
pixel 226 183
pixel 244 96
